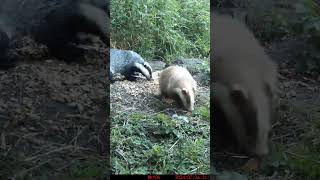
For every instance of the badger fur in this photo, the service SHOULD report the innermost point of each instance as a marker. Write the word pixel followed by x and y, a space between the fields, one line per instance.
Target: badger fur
pixel 54 23
pixel 244 84
pixel 128 63
pixel 176 82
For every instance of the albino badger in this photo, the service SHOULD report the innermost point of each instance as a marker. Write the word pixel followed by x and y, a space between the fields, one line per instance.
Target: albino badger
pixel 244 85
pixel 176 82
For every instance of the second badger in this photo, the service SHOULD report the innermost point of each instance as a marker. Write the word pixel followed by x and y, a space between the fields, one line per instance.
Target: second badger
pixel 128 63
pixel 176 82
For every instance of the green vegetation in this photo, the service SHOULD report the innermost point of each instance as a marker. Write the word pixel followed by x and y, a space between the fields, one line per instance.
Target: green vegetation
pixel 303 157
pixel 92 170
pixel 144 143
pixel 301 160
pixel 162 29
pixel 299 20
pixel 308 26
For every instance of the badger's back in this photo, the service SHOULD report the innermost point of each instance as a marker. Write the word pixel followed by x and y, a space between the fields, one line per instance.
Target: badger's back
pixel 173 77
pixel 120 58
pixel 177 82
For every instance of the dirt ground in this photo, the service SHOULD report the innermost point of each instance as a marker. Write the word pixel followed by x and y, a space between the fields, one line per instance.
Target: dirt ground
pixel 142 94
pixel 53 113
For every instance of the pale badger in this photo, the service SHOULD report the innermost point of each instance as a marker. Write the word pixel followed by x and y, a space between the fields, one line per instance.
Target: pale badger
pixel 176 82
pixel 128 63
pixel 244 85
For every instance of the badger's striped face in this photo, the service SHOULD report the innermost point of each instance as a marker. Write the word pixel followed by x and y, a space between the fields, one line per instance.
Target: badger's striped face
pixel 255 109
pixel 188 101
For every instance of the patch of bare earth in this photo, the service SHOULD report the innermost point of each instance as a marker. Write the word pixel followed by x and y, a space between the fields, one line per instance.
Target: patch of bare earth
pixel 52 115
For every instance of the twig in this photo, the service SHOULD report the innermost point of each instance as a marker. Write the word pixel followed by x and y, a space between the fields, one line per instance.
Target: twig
pixel 300 156
pixel 75 138
pixel 50 152
pixel 174 144
pixel 233 155
pixel 280 137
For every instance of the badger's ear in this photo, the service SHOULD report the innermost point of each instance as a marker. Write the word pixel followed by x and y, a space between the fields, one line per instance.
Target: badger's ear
pixel 268 90
pixel 184 91
pixel 239 94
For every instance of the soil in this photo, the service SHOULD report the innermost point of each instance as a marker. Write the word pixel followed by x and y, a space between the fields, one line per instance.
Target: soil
pixel 143 95
pixel 52 113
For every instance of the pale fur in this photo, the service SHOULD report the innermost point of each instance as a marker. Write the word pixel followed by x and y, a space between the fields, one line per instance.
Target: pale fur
pixel 240 61
pixel 173 80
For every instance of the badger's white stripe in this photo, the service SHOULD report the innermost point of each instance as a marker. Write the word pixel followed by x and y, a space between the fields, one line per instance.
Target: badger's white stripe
pixel 263 125
pixel 221 94
pixel 143 70
pixel 147 65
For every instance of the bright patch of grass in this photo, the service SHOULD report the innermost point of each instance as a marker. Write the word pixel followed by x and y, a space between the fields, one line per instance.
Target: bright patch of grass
pixel 159 144
pixel 161 29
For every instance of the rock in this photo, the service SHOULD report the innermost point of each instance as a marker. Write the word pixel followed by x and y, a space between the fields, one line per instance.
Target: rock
pixel 192 64
pixel 157 65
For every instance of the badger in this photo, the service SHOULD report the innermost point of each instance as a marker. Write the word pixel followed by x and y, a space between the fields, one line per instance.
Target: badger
pixel 176 82
pixel 244 85
pixel 128 63
pixel 54 23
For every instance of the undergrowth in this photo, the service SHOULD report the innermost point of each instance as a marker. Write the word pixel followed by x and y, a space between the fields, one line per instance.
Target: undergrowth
pixel 161 29
pixel 142 143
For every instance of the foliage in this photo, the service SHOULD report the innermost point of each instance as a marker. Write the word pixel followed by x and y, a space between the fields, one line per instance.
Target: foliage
pixel 159 144
pixel 161 28
pixel 308 26
pixel 273 21
pixel 299 159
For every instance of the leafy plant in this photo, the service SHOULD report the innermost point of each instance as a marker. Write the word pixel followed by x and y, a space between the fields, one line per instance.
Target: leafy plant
pixel 161 29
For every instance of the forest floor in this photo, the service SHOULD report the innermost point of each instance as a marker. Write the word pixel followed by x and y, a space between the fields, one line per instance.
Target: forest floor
pixel 53 115
pixel 153 135
pixel 294 135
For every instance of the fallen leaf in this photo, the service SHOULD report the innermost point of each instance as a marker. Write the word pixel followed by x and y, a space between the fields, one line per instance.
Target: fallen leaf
pixel 252 165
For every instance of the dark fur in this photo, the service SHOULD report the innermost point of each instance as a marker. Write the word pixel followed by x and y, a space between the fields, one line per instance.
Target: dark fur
pixel 128 63
pixel 54 23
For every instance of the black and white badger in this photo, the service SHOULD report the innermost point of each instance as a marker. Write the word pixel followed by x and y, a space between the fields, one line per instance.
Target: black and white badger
pixel 128 63
pixel 176 82
pixel 244 86
pixel 54 23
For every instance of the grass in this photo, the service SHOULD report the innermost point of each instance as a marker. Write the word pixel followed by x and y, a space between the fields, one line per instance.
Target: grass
pixel 298 159
pixel 301 158
pixel 144 143
pixel 162 29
